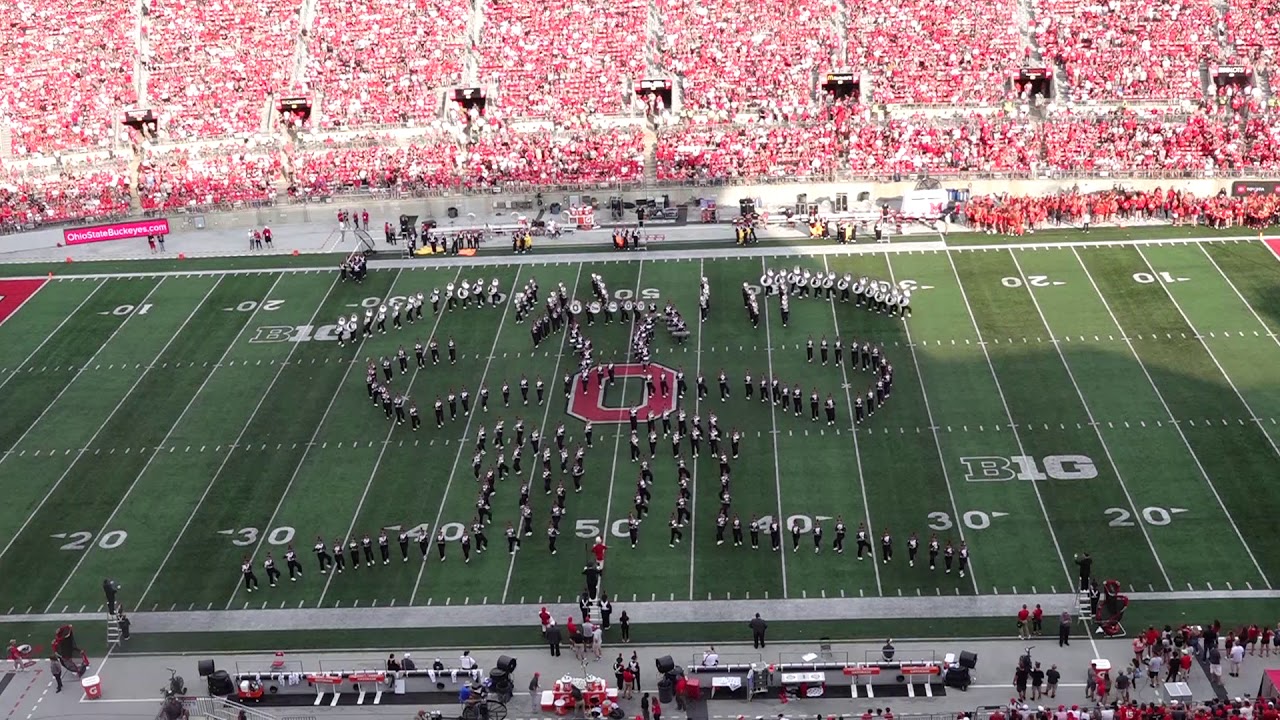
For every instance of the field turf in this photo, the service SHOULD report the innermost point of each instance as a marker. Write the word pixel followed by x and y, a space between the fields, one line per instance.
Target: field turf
pixel 158 429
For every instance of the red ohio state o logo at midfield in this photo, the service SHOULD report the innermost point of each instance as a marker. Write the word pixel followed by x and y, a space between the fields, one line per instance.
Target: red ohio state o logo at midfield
pixel 590 405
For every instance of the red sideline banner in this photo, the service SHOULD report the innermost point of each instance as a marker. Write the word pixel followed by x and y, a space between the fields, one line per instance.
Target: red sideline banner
pixel 115 231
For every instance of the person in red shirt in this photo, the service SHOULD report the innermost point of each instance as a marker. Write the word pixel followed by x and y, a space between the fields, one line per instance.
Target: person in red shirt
pixel 544 618
pixel 598 550
pixel 1023 615
pixel 1037 620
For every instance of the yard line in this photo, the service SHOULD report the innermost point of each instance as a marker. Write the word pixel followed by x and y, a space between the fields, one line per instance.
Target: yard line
pixel 163 442
pixel 75 377
pixel 1013 426
pixel 534 462
pixel 1097 429
pixel 311 442
pixel 1236 290
pixel 933 426
pixel 120 404
pixel 231 449
pixel 1176 425
pixel 49 337
pixel 857 453
pixel 773 418
pixel 465 433
pixel 605 531
pixel 697 403
pixel 1207 349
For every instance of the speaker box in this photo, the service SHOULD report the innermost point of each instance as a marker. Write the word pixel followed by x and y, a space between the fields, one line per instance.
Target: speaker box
pixel 554 208
pixel 453 213
pixel 968 660
pixel 746 206
pixel 665 664
pixel 220 683
pixel 507 663
pixel 205 668
pixel 957 678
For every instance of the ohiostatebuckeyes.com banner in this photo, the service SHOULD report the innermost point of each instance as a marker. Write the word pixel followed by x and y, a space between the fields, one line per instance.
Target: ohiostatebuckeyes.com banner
pixel 115 231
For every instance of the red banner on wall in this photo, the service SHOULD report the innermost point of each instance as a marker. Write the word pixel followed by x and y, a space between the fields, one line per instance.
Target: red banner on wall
pixel 115 231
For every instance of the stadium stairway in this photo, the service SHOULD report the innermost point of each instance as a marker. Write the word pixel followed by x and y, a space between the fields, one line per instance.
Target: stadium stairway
pixel 650 155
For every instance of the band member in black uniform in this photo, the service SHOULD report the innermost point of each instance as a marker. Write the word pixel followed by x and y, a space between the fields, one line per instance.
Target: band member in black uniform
pixel 387 372
pixel 506 394
pixel 795 535
pixel 384 547
pixel 513 539
pixel 838 346
pixel 322 556
pixel 433 346
pixel 817 538
pixel 541 389
pixel 859 412
pixel 633 529
pixel 841 531
pixel 439 406
pixel 754 528
pixel 933 551
pixel 291 561
pixel 964 558
pixel 453 351
pixel 813 405
pixel 404 546
pixel 441 544
pixel 831 410
pixel 722 521
pixel 775 535
pixel 465 542
pixel 524 389
pixel 886 547
pixel 808 349
pixel 552 534
pixel 864 543
pixel 724 386
pixel 736 526
pixel 273 574
pixel 366 543
pixel 824 348
pixel 339 559
pixel 913 547
pixel 478 536
pixel 676 534
pixel 484 398
pixel 398 404
pixel 453 404
pixel 353 549
pixel 250 579
pixel 424 542
pixel 948 556
pixel 414 420
pixel 747 386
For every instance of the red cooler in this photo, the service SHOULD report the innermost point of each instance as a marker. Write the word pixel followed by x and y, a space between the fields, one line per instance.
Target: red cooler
pixel 92 685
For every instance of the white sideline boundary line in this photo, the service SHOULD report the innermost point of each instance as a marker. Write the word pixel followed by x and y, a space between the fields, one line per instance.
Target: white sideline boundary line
pixel 1013 426
pixel 165 441
pixel 533 467
pixel 857 452
pixel 1097 429
pixel 553 258
pixel 1177 426
pixel 231 450
pixel 1203 343
pixel 773 419
pixel 475 410
pixel 933 425
pixel 52 333
pixel 297 470
pixel 58 397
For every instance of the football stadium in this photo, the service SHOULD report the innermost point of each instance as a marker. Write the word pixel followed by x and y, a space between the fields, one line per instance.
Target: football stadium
pixel 828 310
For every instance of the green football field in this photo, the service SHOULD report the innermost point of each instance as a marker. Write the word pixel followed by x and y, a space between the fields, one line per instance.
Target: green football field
pixel 1118 400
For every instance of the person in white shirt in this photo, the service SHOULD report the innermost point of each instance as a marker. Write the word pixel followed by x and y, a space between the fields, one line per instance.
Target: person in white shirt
pixel 710 658
pixel 1237 657
pixel 466 662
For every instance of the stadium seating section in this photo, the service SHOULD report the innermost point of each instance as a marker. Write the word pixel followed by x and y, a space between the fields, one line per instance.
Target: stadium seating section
pixel 1135 93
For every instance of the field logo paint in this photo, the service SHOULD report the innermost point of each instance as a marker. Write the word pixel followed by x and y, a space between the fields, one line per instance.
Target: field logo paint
pixel 1025 467
pixel 15 292
pixel 1274 244
pixel 294 333
pixel 590 405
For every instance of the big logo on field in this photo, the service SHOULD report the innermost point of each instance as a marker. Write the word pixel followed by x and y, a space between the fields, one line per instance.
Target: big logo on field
pixel 594 404
pixel 13 293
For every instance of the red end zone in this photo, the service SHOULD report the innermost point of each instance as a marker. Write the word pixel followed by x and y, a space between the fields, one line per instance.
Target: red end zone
pixel 13 293
pixel 1274 244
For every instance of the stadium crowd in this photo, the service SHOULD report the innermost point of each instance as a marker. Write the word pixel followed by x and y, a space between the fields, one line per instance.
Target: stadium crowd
pixel 749 108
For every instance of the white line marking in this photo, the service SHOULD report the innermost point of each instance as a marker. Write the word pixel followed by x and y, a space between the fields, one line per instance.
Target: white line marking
pixel 697 402
pixel 1013 426
pixel 773 418
pixel 1236 290
pixel 511 566
pixel 1176 425
pixel 617 442
pixel 49 337
pixel 231 448
pixel 933 426
pixel 96 432
pixel 1106 449
pixel 248 318
pixel 857 452
pixel 1207 349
